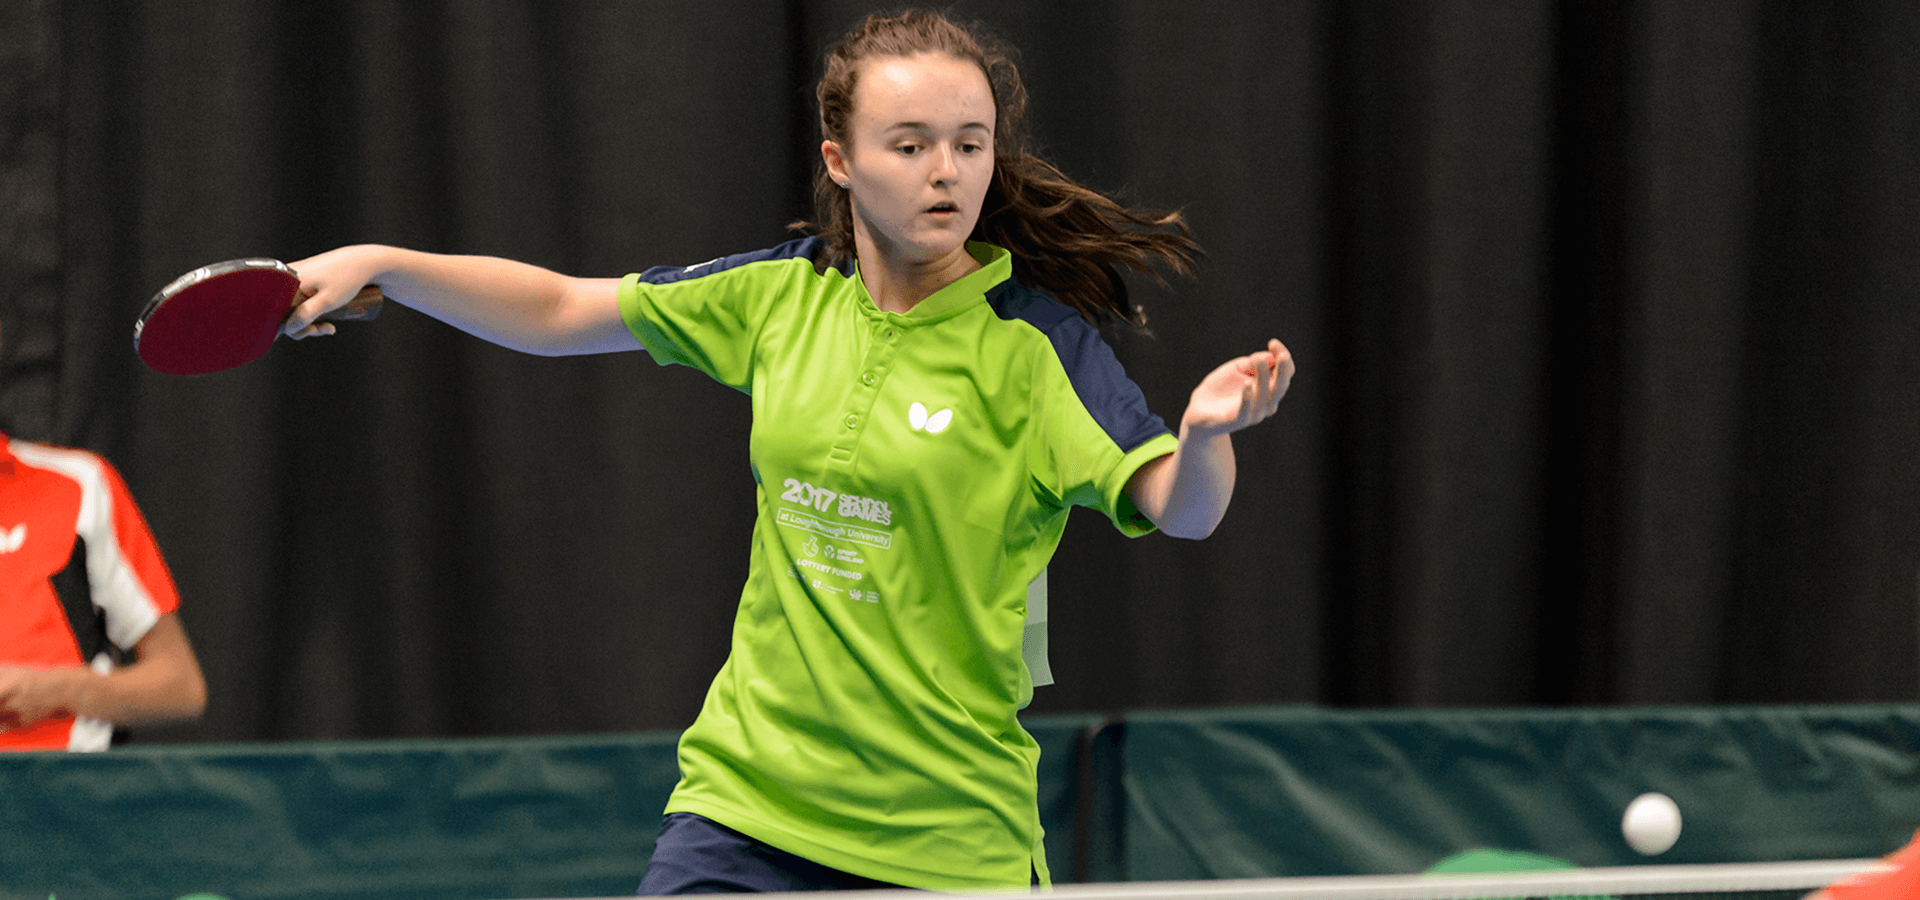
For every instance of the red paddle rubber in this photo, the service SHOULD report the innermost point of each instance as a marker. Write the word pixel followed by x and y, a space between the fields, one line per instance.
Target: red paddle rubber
pixel 217 320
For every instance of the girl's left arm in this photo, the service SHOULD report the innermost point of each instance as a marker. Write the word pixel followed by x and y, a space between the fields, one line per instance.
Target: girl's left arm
pixel 1186 492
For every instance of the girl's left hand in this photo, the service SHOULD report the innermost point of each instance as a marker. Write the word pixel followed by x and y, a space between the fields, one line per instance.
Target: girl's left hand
pixel 1242 392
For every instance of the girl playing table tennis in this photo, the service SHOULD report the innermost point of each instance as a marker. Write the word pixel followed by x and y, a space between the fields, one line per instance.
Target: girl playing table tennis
pixel 930 396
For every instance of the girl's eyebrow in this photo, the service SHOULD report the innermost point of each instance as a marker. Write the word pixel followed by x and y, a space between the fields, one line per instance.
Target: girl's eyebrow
pixel 922 126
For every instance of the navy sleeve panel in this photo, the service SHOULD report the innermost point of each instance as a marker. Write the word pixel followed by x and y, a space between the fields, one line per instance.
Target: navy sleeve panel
pixel 808 248
pixel 1115 402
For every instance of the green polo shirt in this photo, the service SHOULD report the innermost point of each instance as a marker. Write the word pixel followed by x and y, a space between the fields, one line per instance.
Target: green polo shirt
pixel 914 473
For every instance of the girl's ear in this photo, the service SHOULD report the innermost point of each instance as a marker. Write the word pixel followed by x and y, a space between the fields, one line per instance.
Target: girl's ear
pixel 836 162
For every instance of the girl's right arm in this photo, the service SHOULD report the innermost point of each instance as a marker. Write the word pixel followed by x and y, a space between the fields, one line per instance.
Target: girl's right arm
pixel 513 304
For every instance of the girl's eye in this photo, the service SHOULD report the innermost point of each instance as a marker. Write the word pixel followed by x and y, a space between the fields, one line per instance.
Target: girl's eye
pixel 909 149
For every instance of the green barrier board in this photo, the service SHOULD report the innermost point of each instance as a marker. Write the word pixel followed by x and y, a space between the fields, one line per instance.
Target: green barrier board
pixel 394 819
pixel 1279 792
pixel 1156 796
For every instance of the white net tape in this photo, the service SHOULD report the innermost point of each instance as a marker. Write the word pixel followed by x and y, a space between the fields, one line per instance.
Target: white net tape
pixel 1730 879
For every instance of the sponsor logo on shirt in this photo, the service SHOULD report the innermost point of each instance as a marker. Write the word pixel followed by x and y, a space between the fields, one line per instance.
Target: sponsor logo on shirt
pixel 932 424
pixel 832 553
pixel 14 538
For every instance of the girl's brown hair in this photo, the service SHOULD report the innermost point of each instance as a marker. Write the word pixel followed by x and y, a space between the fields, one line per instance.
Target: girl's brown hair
pixel 1065 238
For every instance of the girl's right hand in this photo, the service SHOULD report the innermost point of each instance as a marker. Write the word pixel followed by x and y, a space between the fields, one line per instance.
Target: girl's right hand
pixel 327 282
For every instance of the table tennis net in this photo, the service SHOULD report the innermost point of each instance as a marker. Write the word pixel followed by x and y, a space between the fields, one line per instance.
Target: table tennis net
pixel 1722 881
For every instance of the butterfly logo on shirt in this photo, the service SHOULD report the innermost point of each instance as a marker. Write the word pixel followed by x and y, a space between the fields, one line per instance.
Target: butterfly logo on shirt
pixel 932 424
pixel 14 538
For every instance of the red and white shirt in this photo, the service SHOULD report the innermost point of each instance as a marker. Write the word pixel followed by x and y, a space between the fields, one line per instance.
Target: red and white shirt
pixel 54 501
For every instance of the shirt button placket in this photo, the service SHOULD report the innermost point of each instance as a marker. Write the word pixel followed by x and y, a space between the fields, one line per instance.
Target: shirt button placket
pixel 873 371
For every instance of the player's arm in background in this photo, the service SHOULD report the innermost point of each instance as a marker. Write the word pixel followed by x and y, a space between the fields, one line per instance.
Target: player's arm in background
pixel 513 304
pixel 1185 493
pixel 163 683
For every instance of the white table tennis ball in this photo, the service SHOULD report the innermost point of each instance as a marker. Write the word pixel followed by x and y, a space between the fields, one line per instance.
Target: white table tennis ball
pixel 1652 824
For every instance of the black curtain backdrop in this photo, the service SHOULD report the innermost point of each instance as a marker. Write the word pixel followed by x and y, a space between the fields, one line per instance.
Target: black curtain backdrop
pixel 1608 320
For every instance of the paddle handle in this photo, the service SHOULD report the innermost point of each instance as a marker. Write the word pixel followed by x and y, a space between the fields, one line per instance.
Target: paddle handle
pixel 363 307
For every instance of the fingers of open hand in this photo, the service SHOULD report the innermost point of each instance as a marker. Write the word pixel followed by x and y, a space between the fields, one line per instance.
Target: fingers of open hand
pixel 1282 374
pixel 1267 377
pixel 1250 405
pixel 1262 379
pixel 1272 374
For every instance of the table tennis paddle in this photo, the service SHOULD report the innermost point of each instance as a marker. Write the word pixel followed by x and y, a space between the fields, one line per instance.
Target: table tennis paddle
pixel 228 314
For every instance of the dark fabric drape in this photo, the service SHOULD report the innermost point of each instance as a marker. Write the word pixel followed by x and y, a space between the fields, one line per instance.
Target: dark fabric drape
pixel 1607 318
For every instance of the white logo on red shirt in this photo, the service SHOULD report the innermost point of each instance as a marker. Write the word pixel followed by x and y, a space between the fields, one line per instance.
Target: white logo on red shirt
pixel 13 538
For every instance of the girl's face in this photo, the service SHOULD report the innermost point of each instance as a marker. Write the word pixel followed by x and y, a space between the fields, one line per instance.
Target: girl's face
pixel 918 156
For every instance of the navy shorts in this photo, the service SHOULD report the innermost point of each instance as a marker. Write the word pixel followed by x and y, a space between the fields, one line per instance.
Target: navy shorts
pixel 696 855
